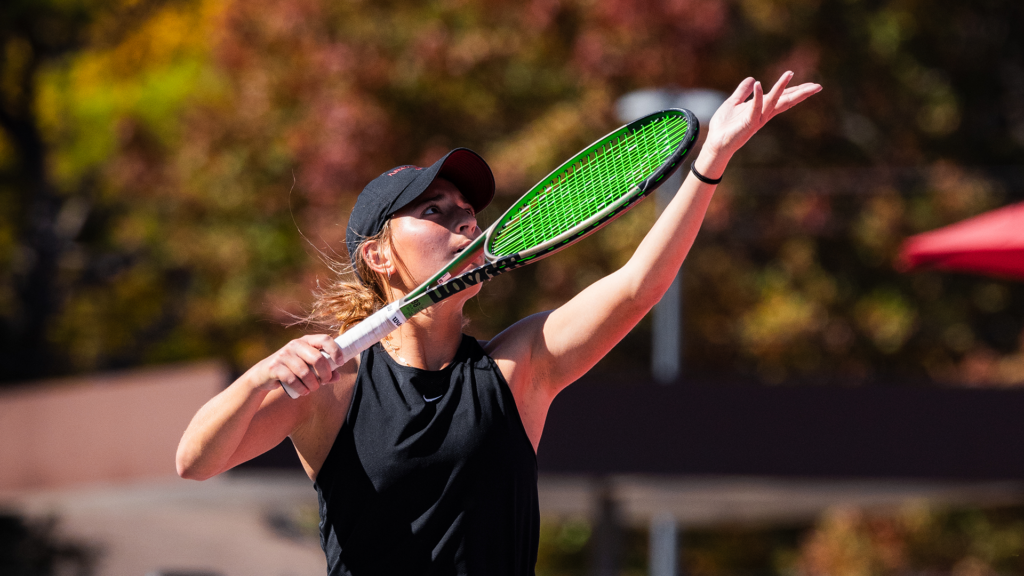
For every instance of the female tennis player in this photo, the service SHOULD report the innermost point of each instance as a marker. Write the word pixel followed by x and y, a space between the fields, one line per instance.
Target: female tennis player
pixel 423 448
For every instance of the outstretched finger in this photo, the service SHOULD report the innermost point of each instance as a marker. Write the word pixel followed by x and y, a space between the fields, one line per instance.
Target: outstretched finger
pixel 741 92
pixel 773 97
pixel 755 109
pixel 796 95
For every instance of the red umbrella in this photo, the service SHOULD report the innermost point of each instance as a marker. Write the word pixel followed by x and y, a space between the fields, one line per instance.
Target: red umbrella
pixel 992 243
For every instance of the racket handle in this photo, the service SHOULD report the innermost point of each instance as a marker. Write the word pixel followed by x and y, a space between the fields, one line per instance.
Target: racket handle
pixel 370 331
pixel 362 336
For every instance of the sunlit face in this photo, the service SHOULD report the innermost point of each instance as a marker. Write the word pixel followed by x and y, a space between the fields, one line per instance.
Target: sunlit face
pixel 430 231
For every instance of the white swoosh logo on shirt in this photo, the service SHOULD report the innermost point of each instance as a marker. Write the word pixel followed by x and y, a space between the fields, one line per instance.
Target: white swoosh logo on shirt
pixel 434 399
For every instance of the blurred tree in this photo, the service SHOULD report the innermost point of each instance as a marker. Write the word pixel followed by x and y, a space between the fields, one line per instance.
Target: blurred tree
pixel 915 540
pixel 843 542
pixel 918 128
pixel 197 140
pixel 740 549
pixel 41 221
pixel 563 547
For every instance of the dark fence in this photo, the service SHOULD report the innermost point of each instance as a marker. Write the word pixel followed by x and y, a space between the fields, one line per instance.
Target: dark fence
pixel 599 426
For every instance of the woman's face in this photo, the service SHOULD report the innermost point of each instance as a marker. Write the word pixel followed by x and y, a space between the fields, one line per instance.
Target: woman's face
pixel 430 231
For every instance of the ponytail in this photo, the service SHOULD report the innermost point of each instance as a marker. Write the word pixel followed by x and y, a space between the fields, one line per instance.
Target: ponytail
pixel 344 301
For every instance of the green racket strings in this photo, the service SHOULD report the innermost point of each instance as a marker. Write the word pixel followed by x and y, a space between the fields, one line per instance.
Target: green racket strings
pixel 595 180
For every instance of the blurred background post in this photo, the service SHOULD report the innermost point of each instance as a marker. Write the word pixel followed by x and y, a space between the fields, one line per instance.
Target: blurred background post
pixel 667 316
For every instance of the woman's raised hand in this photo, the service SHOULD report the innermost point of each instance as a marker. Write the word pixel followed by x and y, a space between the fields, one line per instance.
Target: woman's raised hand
pixel 738 118
pixel 300 365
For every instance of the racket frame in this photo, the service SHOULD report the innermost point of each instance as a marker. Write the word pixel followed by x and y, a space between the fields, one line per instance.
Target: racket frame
pixel 425 295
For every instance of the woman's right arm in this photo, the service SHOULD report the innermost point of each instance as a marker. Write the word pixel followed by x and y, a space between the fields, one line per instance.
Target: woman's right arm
pixel 253 414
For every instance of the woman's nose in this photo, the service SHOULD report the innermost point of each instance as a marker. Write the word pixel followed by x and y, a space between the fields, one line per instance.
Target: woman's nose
pixel 467 224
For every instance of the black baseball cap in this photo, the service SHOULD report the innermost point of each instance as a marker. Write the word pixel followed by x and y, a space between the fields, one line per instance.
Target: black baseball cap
pixel 394 189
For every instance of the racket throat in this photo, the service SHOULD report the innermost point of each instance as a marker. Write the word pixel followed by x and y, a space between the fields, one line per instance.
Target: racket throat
pixel 472 278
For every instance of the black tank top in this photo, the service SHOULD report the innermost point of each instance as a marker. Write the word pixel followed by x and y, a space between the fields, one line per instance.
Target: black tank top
pixel 431 473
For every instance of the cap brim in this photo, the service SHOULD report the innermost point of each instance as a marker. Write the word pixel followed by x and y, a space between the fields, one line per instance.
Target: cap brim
pixel 470 174
pixel 463 168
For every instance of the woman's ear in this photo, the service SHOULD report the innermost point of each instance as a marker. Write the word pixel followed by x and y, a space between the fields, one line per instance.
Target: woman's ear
pixel 377 256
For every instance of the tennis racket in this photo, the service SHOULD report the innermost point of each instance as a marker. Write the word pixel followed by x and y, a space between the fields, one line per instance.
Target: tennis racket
pixel 578 198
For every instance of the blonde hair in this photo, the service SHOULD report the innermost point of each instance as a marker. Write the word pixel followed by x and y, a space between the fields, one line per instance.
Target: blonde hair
pixel 342 303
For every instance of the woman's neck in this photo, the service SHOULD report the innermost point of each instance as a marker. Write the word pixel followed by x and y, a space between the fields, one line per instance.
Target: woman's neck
pixel 428 340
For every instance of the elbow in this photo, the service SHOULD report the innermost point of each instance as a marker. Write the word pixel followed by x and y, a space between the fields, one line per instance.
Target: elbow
pixel 187 471
pixel 191 473
pixel 641 294
pixel 188 467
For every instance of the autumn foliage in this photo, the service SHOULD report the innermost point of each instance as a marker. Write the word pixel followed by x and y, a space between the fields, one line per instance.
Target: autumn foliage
pixel 200 157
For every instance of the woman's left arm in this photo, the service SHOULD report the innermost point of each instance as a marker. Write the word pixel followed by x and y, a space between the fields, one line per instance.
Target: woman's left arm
pixel 565 343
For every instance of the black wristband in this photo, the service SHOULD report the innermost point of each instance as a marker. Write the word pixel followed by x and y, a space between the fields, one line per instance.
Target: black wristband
pixel 701 177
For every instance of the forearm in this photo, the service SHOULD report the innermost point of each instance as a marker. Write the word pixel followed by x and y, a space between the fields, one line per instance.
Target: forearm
pixel 217 430
pixel 577 334
pixel 657 259
pixel 253 414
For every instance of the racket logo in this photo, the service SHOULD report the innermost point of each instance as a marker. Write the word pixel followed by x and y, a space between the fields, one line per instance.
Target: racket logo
pixel 472 279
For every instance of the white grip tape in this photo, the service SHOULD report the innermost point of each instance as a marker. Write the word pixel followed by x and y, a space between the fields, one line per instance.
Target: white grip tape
pixel 362 336
pixel 370 331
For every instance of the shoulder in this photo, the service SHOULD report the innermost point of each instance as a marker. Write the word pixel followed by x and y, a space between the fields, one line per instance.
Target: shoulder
pixel 519 338
pixel 512 349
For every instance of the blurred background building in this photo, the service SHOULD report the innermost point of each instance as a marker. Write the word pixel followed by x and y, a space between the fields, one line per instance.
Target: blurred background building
pixel 175 175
